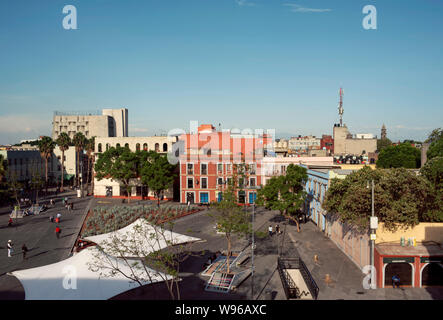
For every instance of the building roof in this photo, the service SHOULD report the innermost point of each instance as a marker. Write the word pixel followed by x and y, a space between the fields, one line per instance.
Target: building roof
pixel 424 249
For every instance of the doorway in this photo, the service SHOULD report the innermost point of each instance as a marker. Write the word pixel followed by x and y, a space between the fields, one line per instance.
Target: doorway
pixel 402 269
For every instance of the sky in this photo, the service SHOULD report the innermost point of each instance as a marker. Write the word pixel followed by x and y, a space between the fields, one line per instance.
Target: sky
pixel 258 64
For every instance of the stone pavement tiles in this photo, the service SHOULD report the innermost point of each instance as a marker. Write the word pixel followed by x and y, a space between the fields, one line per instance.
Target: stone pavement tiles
pixel 38 233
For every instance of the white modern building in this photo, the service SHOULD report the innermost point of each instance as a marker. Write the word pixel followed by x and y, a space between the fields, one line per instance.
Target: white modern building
pixel 107 123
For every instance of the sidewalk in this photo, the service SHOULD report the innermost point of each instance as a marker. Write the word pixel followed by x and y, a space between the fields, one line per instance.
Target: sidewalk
pixel 347 278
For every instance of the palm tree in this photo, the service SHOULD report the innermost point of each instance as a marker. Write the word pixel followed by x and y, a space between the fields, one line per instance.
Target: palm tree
pixel 63 141
pixel 79 141
pixel 90 148
pixel 46 146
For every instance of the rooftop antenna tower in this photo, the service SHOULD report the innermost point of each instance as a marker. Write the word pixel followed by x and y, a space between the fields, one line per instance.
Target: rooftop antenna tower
pixel 340 107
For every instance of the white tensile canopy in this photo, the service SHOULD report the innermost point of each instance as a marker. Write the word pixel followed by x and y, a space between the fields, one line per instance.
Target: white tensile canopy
pixel 149 238
pixel 71 279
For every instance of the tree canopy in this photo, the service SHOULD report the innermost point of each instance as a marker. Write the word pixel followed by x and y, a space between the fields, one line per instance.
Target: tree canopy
pixel 383 143
pixel 156 172
pixel 402 198
pixel 400 156
pixel 285 193
pixel 118 164
pixel 229 217
pixel 436 146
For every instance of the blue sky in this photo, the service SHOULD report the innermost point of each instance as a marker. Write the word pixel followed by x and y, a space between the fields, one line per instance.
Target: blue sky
pixel 244 64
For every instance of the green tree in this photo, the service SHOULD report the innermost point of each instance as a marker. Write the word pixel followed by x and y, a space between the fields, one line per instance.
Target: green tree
pixel 156 172
pixel 285 193
pixel 63 141
pixel 229 217
pixel 401 198
pixel 36 183
pixel 433 172
pixel 401 156
pixel 3 167
pixel 46 146
pixel 79 142
pixel 434 135
pixel 436 146
pixel 383 143
pixel 120 164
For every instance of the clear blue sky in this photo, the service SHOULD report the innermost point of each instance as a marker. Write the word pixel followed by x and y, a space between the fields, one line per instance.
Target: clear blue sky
pixel 244 64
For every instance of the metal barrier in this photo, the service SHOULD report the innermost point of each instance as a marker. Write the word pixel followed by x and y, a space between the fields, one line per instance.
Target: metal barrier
pixel 291 289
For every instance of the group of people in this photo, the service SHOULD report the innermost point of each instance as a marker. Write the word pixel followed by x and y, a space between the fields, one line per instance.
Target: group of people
pixel 11 249
pixel 271 230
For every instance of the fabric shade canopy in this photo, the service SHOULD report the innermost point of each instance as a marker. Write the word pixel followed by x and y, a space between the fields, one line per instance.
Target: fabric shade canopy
pixel 71 279
pixel 147 237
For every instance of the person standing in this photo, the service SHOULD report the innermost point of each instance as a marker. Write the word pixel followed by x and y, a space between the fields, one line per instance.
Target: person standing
pixel 270 230
pixel 24 250
pixel 10 222
pixel 10 248
pixel 396 281
pixel 58 231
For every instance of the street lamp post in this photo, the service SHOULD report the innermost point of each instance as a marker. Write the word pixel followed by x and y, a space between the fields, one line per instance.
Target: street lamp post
pixel 252 252
pixel 373 226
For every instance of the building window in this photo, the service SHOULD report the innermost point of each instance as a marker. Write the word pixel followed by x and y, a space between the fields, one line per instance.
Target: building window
pixel 220 167
pixel 204 169
pixel 241 182
pixel 229 181
pixel 137 147
pixel 127 145
pixel 204 197
pixel 190 167
pixel 165 147
pixel 204 182
pixel 228 167
pixel 252 182
pixel 252 168
pixel 157 147
pixel 190 183
pixel 145 146
pixel 107 146
pixel 99 147
pixel 219 181
pixel 241 196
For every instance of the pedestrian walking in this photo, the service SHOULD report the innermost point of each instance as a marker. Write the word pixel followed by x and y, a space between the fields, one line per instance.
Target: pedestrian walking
pixel 10 248
pixel 270 230
pixel 51 219
pixel 72 206
pixel 58 231
pixel 277 229
pixel 24 250
pixel 10 222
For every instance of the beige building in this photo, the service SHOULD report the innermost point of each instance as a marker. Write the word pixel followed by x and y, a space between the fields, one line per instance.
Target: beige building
pixel 108 123
pixel 112 188
pixel 276 166
pixel 347 144
pixel 304 143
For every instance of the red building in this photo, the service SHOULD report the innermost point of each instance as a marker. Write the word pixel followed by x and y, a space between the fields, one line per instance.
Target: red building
pixel 207 163
pixel 328 143
pixel 417 267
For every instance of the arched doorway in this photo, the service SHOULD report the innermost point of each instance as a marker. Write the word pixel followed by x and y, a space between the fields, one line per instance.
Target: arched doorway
pixel 432 275
pixel 403 269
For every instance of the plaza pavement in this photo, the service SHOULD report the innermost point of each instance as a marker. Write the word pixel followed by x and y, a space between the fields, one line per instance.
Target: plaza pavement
pixel 346 277
pixel 38 233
